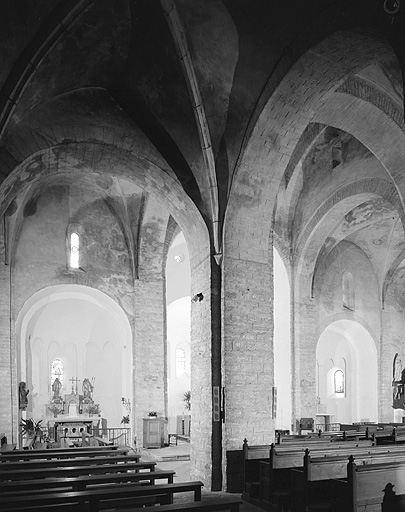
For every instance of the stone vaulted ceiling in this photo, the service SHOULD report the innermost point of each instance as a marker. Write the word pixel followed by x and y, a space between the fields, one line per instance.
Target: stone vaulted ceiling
pixel 182 82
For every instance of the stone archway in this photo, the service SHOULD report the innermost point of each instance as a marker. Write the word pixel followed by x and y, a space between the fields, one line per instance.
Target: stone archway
pixel 346 346
pixel 92 336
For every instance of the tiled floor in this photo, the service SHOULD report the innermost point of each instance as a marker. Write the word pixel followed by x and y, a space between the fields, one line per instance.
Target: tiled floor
pixel 166 459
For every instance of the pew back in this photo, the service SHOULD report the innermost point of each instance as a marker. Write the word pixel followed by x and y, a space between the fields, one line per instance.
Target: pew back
pixel 65 453
pixel 54 463
pixel 367 487
pixel 21 474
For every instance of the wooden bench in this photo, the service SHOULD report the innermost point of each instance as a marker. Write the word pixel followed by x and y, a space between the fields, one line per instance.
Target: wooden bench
pixel 28 465
pixel 4 446
pixel 230 503
pixel 392 435
pixel 114 496
pixel 344 435
pixel 366 486
pixel 82 482
pixel 65 453
pixel 275 475
pixel 312 483
pixel 72 471
pixel 254 477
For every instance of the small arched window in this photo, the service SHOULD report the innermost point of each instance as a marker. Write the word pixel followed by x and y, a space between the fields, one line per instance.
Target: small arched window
pixel 348 291
pixel 339 381
pixel 180 361
pixel 74 250
pixel 56 371
pixel 76 247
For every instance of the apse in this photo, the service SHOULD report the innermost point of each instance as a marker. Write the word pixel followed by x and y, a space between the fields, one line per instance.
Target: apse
pixel 88 333
pixel 346 374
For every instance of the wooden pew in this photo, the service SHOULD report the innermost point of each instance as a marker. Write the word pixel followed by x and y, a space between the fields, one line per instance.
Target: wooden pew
pixel 254 477
pixel 230 503
pixel 72 471
pixel 366 486
pixel 313 483
pixel 65 453
pixel 275 475
pixel 82 482
pixel 335 436
pixel 4 446
pixel 390 435
pixel 113 496
pixel 28 465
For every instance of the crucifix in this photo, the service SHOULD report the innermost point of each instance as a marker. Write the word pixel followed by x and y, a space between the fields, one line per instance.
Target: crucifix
pixel 72 380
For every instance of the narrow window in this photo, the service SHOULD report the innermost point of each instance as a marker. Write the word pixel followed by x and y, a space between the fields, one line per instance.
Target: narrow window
pixel 56 371
pixel 180 361
pixel 76 247
pixel 74 250
pixel 339 381
pixel 348 291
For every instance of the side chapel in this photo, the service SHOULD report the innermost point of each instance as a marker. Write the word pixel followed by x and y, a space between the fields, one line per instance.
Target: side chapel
pixel 202 199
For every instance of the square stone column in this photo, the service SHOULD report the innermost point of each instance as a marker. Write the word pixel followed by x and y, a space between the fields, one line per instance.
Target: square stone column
pixel 248 372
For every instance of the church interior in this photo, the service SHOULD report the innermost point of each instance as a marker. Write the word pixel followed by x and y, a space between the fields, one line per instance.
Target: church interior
pixel 203 214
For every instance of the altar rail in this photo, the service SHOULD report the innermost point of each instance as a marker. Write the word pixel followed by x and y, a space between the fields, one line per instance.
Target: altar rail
pixel 118 436
pixel 331 427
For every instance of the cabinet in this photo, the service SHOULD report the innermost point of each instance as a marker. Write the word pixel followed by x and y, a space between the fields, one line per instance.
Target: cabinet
pixel 154 432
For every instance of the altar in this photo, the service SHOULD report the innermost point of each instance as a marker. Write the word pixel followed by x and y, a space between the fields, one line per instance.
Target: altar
pixel 72 428
pixel 74 414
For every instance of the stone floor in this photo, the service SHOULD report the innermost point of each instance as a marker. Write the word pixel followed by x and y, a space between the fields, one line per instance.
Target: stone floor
pixel 175 457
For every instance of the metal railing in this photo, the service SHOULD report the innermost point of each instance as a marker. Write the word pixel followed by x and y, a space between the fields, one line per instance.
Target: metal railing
pixel 118 436
pixel 330 427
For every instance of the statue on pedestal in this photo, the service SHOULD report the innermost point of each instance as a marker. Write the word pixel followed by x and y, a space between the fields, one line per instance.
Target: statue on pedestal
pixel 87 390
pixel 23 396
pixel 56 387
pixel 398 383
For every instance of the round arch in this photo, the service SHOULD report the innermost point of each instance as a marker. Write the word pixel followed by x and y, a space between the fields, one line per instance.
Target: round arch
pixel 346 346
pixel 36 343
pixel 260 169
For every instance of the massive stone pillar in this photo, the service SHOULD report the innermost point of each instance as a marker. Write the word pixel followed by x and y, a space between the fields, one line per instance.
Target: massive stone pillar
pixel 247 351
pixel 149 346
pixel 149 357
pixel 305 321
pixel 201 375
pixel 8 359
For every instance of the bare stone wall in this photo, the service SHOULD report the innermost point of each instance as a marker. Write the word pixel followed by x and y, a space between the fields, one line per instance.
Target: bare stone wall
pixel 40 258
pixel 392 342
pixel 201 380
pixel 8 399
pixel 247 352
pixel 313 314
pixel 303 359
pixel 148 353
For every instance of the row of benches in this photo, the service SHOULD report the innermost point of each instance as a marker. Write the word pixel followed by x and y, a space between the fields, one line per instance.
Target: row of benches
pixel 296 474
pixel 92 479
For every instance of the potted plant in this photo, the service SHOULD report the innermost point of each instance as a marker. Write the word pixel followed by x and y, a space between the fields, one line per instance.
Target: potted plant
pixel 92 409
pixel 32 431
pixel 187 400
